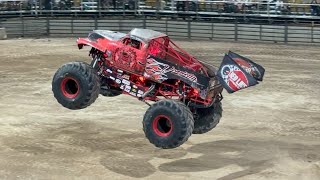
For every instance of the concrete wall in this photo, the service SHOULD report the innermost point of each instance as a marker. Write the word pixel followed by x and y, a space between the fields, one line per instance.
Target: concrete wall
pixel 178 29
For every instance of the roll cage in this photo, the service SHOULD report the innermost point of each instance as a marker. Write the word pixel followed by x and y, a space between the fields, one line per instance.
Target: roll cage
pixel 167 50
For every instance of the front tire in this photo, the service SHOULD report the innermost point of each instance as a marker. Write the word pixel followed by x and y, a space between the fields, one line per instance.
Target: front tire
pixel 168 124
pixel 207 118
pixel 75 85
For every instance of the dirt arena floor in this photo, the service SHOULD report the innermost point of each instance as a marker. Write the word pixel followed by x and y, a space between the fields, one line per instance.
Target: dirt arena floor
pixel 270 131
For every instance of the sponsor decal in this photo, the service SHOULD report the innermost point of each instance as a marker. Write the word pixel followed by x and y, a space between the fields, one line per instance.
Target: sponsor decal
pixel 118 81
pixel 184 74
pixel 134 90
pixel 156 70
pixel 127 89
pixel 109 71
pixel 234 77
pixel 133 93
pixel 248 67
pixel 140 92
pixel 252 68
pixel 126 82
pixel 122 86
pixel 111 77
pixel 159 71
pixel 125 76
pixel 245 65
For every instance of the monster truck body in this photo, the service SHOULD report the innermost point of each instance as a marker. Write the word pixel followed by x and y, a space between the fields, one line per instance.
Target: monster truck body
pixel 146 64
pixel 149 55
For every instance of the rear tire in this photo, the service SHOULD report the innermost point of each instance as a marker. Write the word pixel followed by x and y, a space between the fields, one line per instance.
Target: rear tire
pixel 168 124
pixel 207 118
pixel 76 85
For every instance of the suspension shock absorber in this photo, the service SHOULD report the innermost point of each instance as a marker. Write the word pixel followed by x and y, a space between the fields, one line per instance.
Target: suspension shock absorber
pixel 182 91
pixel 94 63
pixel 96 58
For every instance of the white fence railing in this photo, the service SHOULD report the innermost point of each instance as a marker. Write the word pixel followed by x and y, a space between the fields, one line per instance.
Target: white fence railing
pixel 309 32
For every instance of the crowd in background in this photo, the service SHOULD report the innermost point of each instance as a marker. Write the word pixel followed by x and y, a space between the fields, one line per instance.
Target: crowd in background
pixel 227 6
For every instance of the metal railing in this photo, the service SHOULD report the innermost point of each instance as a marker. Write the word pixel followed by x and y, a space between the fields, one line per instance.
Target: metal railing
pixel 282 31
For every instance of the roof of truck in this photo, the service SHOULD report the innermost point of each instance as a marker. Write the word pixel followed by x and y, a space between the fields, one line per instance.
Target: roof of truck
pixel 111 35
pixel 146 34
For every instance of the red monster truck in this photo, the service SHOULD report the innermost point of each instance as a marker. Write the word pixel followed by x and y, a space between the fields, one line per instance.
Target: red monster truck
pixel 147 65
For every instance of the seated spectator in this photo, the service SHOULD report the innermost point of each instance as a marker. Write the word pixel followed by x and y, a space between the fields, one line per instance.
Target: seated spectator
pixel 314 8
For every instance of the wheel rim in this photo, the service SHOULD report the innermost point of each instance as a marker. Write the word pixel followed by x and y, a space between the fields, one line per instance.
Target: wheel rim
pixel 70 87
pixel 162 125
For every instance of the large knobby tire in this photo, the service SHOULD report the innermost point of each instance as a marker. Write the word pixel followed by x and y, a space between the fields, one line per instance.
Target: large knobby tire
pixel 168 124
pixel 76 85
pixel 207 118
